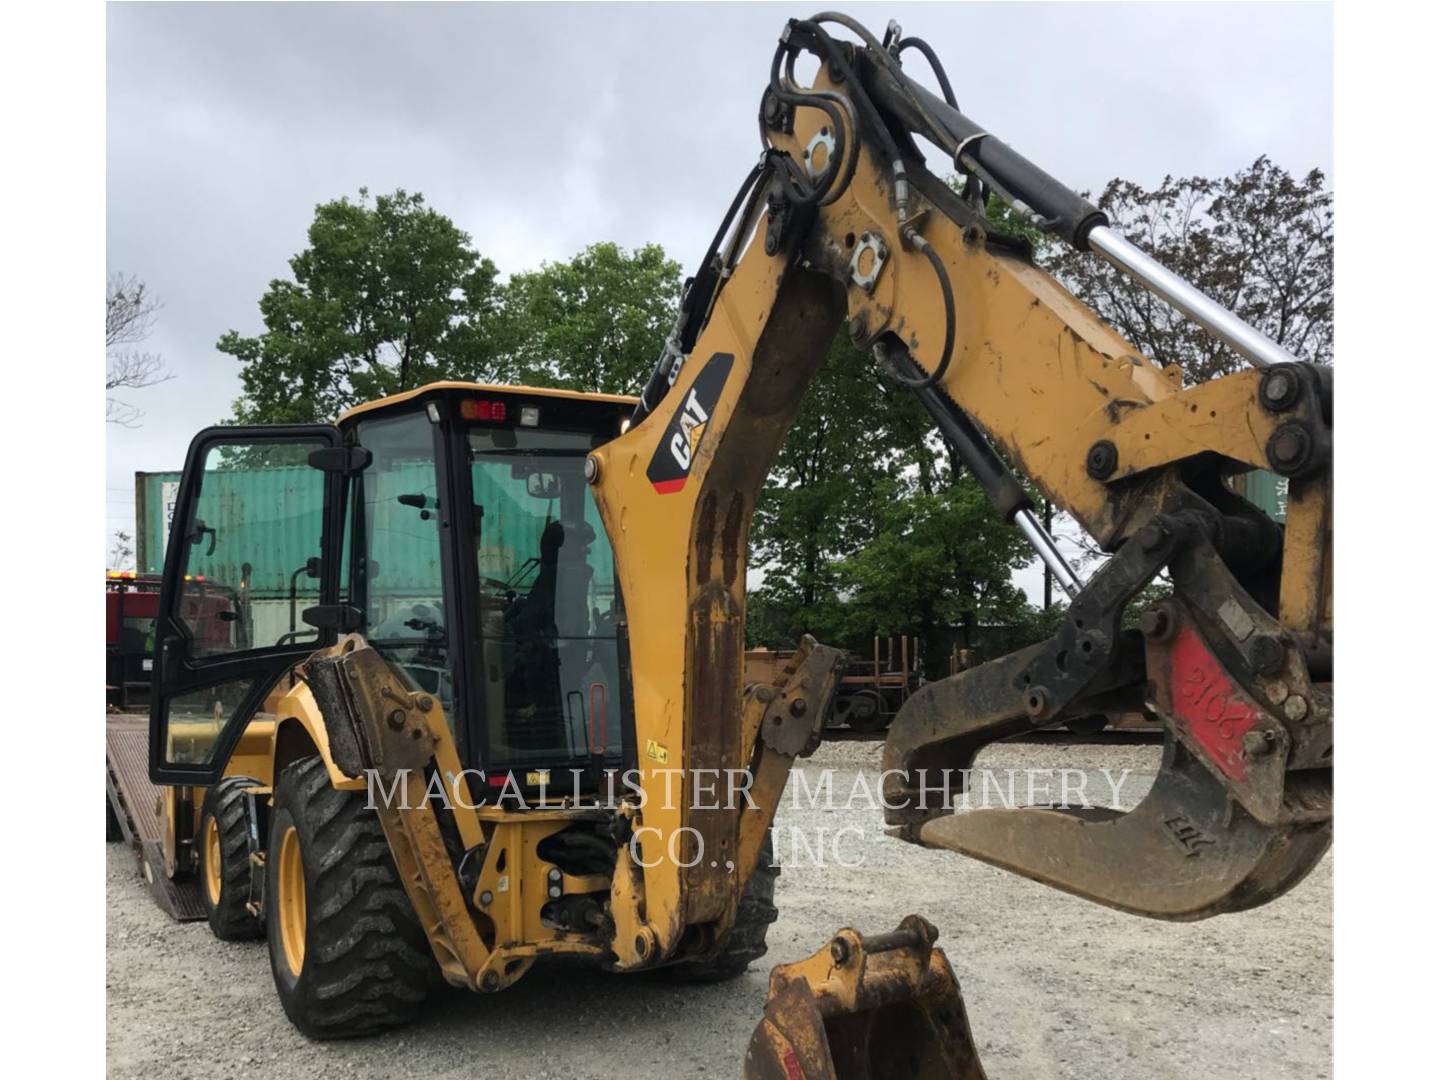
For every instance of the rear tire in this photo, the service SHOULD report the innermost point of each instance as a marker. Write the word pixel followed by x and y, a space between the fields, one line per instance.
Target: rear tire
pixel 225 860
pixel 348 954
pixel 1088 726
pixel 746 941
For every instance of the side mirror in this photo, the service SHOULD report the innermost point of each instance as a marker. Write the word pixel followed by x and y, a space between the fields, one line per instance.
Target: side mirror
pixel 420 502
pixel 542 485
pixel 198 533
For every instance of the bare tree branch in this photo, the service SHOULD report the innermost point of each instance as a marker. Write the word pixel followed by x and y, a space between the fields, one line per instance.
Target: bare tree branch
pixel 130 314
pixel 122 551
pixel 135 370
pixel 130 311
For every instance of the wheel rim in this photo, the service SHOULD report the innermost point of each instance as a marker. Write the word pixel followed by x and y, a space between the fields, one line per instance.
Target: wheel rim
pixel 212 861
pixel 290 899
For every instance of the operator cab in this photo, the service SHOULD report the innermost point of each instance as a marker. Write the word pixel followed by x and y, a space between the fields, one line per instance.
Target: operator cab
pixel 454 528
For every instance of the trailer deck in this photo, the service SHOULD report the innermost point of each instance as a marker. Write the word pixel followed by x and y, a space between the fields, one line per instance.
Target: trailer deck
pixel 139 808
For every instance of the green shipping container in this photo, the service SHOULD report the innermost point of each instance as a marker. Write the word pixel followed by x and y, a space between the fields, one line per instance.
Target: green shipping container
pixel 1267 490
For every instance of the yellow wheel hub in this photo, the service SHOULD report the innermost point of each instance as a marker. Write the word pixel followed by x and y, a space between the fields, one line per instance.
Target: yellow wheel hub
pixel 290 899
pixel 212 861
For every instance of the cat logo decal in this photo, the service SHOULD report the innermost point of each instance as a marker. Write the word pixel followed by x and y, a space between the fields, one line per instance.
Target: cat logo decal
pixel 670 467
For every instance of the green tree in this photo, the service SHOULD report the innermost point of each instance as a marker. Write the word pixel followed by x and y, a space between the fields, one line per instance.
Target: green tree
pixel 868 526
pixel 937 561
pixel 595 323
pixel 388 294
pixel 817 505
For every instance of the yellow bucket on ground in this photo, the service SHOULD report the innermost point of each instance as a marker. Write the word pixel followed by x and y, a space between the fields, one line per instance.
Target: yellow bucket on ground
pixel 866 1008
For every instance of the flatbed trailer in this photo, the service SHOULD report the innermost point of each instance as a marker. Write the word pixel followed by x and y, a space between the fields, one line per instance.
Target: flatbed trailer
pixel 138 812
pixel 871 691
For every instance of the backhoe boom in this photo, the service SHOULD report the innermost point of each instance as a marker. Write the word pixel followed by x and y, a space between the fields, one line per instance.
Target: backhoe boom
pixel 843 226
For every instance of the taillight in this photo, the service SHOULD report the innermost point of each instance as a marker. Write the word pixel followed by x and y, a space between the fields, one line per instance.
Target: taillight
pixel 481 409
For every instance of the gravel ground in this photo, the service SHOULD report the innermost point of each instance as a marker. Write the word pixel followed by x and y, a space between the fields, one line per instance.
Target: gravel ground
pixel 1055 986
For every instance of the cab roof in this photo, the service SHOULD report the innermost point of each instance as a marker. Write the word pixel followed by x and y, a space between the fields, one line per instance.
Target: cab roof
pixel 480 388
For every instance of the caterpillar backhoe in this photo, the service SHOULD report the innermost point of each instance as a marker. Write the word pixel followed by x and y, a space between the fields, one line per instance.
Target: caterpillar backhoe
pixel 510 722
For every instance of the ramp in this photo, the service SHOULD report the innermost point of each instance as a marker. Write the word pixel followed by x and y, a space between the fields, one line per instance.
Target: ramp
pixel 139 807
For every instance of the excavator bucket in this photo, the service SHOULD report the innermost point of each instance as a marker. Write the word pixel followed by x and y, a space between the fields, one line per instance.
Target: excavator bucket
pixel 866 1008
pixel 1241 807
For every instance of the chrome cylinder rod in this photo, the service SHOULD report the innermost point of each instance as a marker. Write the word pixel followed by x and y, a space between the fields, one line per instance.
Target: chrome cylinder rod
pixel 1250 343
pixel 1071 217
pixel 1044 545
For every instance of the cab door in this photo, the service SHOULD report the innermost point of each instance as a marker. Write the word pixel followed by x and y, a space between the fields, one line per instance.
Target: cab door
pixel 251 586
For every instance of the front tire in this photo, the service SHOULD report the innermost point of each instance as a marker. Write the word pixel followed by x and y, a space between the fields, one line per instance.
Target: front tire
pixel 348 954
pixel 225 860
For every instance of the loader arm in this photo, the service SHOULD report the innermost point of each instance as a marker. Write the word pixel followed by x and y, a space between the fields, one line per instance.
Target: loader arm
pixel 842 224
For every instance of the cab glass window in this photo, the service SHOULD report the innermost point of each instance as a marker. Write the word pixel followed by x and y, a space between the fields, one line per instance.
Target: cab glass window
pixel 548 656
pixel 251 561
pixel 397 580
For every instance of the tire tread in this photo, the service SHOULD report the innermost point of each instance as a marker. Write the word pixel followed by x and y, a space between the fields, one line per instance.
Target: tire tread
pixel 230 919
pixel 368 965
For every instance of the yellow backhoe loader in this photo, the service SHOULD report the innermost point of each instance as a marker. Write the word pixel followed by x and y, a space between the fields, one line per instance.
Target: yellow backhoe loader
pixel 497 729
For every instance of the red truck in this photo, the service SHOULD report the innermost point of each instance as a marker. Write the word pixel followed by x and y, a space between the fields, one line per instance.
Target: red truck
pixel 131 603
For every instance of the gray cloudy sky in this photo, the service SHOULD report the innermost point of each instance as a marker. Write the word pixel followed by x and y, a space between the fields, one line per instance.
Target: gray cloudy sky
pixel 542 128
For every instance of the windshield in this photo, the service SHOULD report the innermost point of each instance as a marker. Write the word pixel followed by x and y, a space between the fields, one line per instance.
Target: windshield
pixel 547 602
